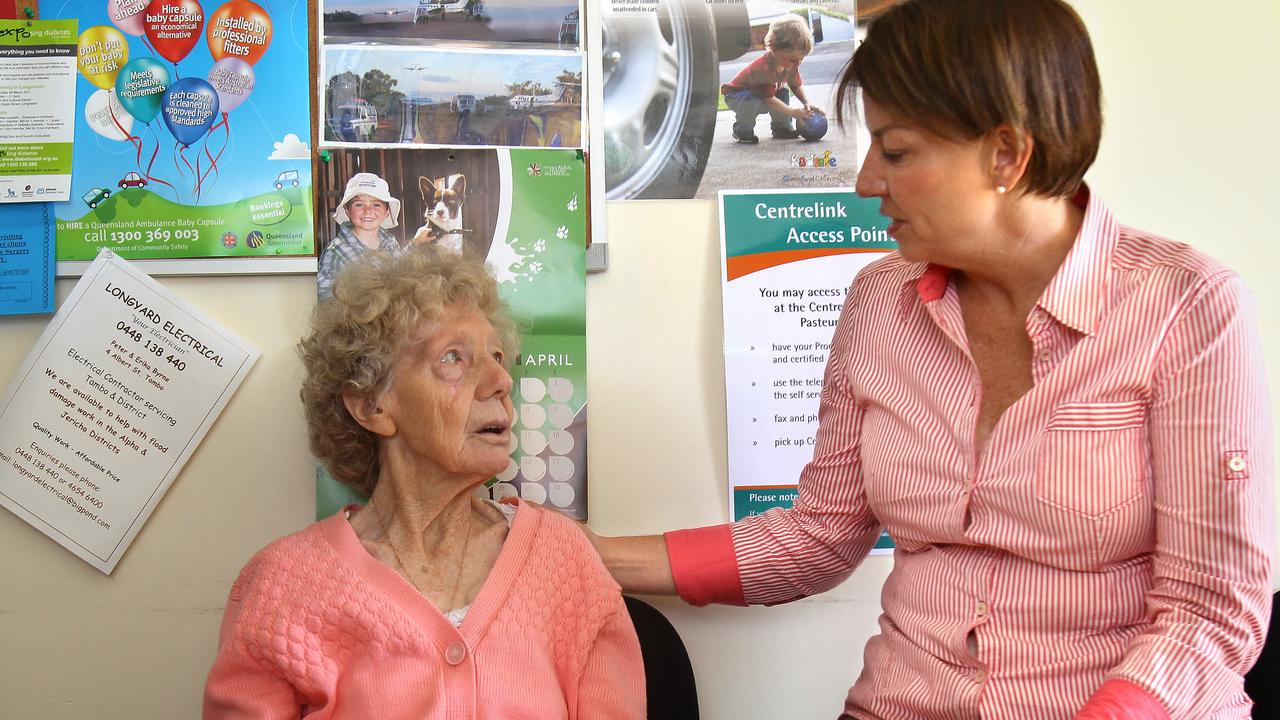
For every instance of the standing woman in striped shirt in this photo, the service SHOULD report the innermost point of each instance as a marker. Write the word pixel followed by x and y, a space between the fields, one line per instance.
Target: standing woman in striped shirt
pixel 1062 421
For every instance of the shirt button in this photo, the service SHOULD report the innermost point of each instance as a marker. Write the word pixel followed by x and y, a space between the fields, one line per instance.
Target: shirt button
pixel 1236 463
pixel 980 676
pixel 981 609
pixel 455 653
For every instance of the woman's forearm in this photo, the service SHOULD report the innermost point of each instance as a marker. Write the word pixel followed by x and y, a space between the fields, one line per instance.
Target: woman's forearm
pixel 638 563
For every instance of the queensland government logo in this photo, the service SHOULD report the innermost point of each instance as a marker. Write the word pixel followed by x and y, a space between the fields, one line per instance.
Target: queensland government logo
pixel 254 239
pixel 537 170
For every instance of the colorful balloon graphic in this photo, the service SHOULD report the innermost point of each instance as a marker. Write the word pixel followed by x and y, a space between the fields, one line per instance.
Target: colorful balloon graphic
pixel 100 53
pixel 189 107
pixel 173 27
pixel 127 14
pixel 234 80
pixel 141 85
pixel 239 29
pixel 99 110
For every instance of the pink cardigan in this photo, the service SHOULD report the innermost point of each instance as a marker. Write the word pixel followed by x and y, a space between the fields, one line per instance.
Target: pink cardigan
pixel 316 626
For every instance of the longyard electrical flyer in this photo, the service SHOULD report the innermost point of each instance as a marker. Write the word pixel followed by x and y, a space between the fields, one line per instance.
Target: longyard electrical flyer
pixel 788 258
pixel 191 126
pixel 37 92
pixel 113 399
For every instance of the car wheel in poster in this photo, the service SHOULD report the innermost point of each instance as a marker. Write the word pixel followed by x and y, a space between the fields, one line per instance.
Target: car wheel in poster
pixel 661 88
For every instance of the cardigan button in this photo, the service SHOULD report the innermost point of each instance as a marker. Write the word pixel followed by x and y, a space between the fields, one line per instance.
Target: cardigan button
pixel 455 653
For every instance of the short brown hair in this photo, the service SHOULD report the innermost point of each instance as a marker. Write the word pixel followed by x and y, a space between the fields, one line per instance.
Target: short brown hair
pixel 789 32
pixel 379 303
pixel 962 68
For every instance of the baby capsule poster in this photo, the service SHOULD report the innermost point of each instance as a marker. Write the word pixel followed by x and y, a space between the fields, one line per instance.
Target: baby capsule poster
pixel 191 130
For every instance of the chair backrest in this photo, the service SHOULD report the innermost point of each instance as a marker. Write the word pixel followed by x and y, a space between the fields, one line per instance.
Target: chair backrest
pixel 1263 681
pixel 669 683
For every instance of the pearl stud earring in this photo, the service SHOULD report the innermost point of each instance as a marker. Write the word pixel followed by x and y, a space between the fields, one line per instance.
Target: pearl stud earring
pixel 1000 189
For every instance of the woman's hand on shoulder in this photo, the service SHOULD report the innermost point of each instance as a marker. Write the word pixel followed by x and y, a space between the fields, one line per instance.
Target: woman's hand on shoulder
pixel 638 563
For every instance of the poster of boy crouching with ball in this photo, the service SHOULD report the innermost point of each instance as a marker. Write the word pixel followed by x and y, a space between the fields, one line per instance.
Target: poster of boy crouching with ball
pixel 751 102
pixel 524 212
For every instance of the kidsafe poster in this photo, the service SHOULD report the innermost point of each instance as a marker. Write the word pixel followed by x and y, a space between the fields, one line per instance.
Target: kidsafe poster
pixel 788 259
pixel 191 128
pixel 693 96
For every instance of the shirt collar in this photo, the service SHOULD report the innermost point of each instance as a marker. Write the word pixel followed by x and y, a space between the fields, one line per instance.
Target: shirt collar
pixel 386 241
pixel 1075 294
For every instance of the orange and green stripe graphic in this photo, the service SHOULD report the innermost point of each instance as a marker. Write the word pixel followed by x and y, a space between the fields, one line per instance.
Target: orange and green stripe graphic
pixel 768 229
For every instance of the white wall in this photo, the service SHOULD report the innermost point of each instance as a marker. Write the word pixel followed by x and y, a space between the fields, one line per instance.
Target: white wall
pixel 1190 152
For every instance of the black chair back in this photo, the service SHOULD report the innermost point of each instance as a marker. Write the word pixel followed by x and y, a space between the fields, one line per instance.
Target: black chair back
pixel 669 684
pixel 1263 681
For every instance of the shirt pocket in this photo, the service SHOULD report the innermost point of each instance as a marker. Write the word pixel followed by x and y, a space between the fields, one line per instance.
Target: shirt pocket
pixel 1093 457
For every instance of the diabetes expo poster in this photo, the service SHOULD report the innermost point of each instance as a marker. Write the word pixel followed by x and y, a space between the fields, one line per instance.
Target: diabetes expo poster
pixel 192 120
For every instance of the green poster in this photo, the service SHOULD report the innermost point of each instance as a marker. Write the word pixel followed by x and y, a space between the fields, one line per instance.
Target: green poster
pixel 525 212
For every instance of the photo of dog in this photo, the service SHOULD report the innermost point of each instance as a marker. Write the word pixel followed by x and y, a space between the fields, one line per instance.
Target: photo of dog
pixel 442 219
pixel 448 196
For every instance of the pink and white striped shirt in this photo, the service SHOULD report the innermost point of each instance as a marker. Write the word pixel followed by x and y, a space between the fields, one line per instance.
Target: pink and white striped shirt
pixel 1117 526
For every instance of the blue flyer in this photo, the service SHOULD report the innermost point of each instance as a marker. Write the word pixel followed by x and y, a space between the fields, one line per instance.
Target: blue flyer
pixel 26 259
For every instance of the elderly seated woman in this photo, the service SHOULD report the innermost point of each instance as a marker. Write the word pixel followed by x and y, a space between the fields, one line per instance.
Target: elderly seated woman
pixel 427 602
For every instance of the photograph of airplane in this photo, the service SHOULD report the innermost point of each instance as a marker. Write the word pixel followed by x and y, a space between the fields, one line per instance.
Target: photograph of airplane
pixel 542 23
